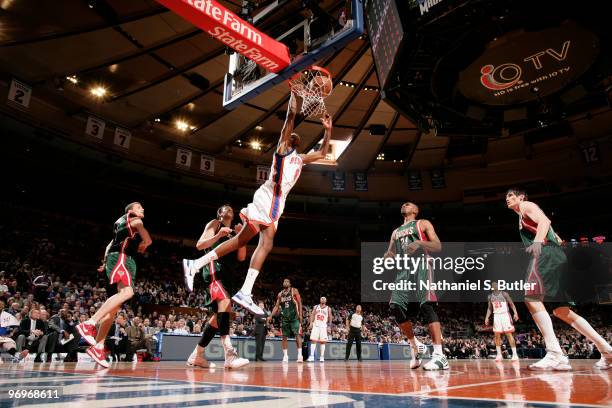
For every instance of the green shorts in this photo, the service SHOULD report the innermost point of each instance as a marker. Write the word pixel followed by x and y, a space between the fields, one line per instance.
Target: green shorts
pixel 546 273
pixel 291 328
pixel 120 268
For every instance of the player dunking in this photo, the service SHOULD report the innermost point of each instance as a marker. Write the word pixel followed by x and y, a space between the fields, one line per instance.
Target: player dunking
pixel 502 322
pixel 544 271
pixel 120 266
pixel 320 318
pixel 261 216
pixel 218 277
pixel 412 237
pixel 290 303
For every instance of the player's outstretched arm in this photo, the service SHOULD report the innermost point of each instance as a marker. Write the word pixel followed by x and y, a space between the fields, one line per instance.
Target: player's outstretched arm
pixel 144 234
pixel 486 322
pixel 322 152
pixel 292 110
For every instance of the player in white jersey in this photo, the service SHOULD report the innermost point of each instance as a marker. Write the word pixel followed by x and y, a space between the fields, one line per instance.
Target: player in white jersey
pixel 502 322
pixel 261 216
pixel 320 316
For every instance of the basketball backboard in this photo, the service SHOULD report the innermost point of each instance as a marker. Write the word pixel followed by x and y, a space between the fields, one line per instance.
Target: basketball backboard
pixel 318 35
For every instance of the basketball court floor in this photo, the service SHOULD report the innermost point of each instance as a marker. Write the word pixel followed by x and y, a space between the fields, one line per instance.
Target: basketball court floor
pixel 471 383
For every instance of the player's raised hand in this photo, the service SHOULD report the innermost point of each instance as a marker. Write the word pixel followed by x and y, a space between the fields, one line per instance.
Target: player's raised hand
pixel 224 231
pixel 326 120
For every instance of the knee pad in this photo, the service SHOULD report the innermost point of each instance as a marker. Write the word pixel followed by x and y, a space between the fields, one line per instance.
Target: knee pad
pixel 207 335
pixel 429 314
pixel 398 312
pixel 223 321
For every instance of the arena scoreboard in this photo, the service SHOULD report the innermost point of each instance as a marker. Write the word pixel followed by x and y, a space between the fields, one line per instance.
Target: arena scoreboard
pixel 386 35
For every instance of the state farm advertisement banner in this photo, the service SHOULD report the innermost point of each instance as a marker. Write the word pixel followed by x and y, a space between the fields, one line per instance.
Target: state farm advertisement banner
pixel 231 30
pixel 522 66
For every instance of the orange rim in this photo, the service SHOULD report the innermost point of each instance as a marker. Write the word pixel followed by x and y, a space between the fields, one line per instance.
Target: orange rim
pixel 311 68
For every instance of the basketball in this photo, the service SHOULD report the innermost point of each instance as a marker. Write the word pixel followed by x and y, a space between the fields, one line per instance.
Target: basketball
pixel 322 82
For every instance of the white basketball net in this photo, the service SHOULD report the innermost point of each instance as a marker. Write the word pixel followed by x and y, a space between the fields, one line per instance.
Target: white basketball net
pixel 309 86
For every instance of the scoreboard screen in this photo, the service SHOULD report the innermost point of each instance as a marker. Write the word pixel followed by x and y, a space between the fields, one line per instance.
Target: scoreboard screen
pixel 386 34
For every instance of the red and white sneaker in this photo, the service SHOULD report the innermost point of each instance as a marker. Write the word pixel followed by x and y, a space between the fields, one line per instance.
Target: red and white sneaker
pixel 99 356
pixel 87 332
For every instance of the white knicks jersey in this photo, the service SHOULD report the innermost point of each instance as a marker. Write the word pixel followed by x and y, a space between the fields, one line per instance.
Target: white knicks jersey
pixel 284 173
pixel 500 305
pixel 321 316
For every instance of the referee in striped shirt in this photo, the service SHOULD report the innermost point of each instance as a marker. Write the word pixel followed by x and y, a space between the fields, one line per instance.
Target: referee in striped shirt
pixel 354 325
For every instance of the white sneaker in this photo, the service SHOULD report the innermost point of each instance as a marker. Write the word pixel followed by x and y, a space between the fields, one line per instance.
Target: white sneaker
pixel 201 362
pixel 498 357
pixel 552 361
pixel 310 359
pixel 322 360
pixel 232 361
pixel 189 272
pixel 437 362
pixel 605 362
pixel 417 357
pixel 300 358
pixel 285 358
pixel 515 357
pixel 246 301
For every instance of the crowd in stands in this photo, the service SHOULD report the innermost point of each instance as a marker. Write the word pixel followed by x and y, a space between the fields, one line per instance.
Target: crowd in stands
pixel 49 283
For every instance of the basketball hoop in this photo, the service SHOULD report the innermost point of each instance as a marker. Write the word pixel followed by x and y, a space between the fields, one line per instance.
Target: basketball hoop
pixel 313 85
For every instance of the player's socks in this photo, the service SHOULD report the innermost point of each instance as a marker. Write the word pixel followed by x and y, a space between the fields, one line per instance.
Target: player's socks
pixel 514 353
pixel 544 323
pixel 322 356
pixel 313 348
pixel 498 350
pixel 249 281
pixel 437 349
pixel 583 327
pixel 100 345
pixel 205 260
pixel 285 356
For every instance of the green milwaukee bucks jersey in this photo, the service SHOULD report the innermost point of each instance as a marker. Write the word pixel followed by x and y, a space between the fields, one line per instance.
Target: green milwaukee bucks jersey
pixel 529 228
pixel 124 241
pixel 288 304
pixel 405 235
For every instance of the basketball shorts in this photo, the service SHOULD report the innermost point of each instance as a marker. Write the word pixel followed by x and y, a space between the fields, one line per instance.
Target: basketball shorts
pixel 265 210
pixel 502 323
pixel 545 273
pixel 318 334
pixel 291 328
pixel 217 289
pixel 120 268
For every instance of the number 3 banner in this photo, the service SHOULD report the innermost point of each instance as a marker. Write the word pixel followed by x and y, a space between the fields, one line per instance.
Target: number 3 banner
pixel 95 127
pixel 122 138
pixel 183 158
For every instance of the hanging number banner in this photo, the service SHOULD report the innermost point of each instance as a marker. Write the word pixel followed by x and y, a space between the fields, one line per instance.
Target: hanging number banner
pixel 20 93
pixel 123 138
pixel 183 158
pixel 262 175
pixel 95 127
pixel 207 164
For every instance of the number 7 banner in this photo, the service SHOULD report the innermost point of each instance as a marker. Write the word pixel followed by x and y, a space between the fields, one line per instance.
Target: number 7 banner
pixel 225 26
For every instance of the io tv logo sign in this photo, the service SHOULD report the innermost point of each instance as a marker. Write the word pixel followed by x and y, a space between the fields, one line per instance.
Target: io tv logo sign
pixel 504 76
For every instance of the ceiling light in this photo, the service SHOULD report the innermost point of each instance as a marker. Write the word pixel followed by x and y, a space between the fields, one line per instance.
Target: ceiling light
pixel 113 68
pixel 193 128
pixel 98 91
pixel 256 145
pixel 181 125
pixel 191 106
pixel 73 79
pixel 157 120
pixel 259 128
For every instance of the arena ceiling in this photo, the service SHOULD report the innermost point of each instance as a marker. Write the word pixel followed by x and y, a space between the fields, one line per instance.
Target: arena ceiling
pixel 145 58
